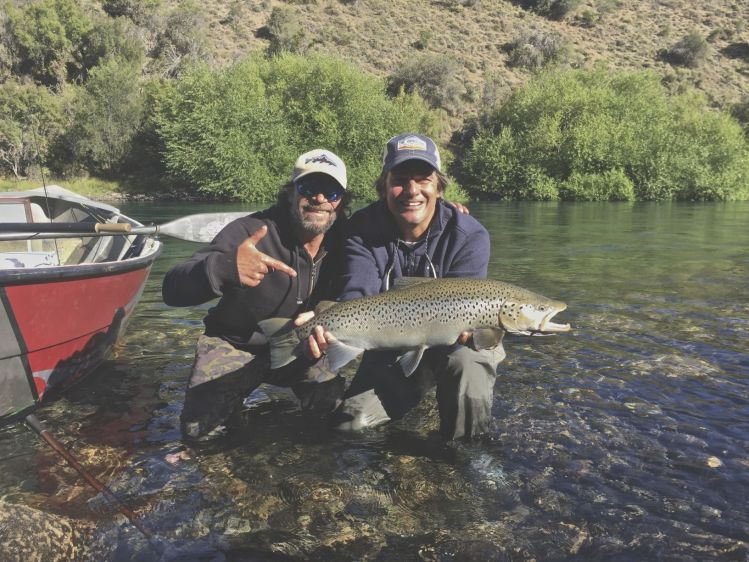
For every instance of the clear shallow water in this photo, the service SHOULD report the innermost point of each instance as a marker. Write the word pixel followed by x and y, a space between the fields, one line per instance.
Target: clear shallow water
pixel 624 440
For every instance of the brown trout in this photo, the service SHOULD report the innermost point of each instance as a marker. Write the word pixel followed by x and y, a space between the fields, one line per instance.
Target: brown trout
pixel 417 314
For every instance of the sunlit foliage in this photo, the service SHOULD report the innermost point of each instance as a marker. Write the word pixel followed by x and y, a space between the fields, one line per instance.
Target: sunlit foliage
pixel 235 133
pixel 597 135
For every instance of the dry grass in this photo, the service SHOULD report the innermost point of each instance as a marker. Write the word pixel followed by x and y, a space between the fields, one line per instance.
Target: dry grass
pixel 381 36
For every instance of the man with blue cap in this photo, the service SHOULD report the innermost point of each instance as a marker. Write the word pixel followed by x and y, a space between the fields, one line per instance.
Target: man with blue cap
pixel 411 232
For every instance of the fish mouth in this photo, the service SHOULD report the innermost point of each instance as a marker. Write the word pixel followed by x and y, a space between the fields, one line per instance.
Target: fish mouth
pixel 549 327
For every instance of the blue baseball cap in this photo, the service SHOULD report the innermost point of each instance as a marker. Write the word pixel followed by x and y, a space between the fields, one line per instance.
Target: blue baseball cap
pixel 410 146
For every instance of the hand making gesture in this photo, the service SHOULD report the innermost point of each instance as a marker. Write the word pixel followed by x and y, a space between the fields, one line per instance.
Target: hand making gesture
pixel 253 265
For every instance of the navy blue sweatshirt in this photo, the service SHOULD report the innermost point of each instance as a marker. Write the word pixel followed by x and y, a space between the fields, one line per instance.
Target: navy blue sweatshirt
pixel 457 245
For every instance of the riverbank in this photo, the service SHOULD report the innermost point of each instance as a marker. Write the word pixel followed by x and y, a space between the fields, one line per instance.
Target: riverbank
pixel 101 190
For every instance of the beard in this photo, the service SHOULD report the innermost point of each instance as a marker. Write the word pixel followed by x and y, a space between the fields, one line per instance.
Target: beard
pixel 313 225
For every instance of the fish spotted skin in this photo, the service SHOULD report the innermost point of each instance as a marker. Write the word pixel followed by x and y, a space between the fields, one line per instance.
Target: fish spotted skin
pixel 417 314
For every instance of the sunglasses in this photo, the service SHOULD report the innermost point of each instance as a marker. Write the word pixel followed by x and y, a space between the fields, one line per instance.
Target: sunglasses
pixel 309 189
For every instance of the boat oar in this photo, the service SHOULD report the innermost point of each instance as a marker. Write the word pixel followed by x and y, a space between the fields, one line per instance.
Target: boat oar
pixel 201 227
pixel 36 425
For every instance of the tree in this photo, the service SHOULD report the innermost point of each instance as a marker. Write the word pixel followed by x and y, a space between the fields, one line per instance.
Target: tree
pixel 109 37
pixel 30 119
pixel 47 35
pixel 106 116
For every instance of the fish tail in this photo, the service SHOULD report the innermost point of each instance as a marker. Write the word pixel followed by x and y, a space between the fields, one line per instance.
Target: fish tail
pixel 283 339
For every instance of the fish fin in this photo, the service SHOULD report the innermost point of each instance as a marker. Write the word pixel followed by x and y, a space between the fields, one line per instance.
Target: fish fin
pixel 405 282
pixel 322 306
pixel 411 359
pixel 283 340
pixel 487 338
pixel 339 354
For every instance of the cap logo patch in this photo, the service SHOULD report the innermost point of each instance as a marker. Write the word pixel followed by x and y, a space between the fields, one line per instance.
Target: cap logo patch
pixel 320 159
pixel 412 143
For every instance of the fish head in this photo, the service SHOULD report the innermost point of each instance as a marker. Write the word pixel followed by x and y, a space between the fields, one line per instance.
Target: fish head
pixel 531 316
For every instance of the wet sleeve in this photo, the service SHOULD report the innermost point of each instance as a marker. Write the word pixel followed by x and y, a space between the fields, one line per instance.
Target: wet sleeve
pixel 204 276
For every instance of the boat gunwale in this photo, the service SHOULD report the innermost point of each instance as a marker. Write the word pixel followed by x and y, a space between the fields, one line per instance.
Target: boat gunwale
pixel 17 276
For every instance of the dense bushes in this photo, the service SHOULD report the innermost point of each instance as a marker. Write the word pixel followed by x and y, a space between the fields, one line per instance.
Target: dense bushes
pixel 691 50
pixel 554 9
pixel 534 49
pixel 236 133
pixel 603 136
pixel 434 77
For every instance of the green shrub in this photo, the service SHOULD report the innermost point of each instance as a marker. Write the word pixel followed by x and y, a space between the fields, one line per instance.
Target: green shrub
pixel 180 42
pixel 611 185
pixel 534 49
pixel 740 112
pixel 136 10
pixel 621 127
pixel 589 18
pixel 284 31
pixel 554 9
pixel 435 77
pixel 235 133
pixel 691 50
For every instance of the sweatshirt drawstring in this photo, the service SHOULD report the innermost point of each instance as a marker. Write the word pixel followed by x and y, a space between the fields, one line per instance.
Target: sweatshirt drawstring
pixel 393 246
pixel 295 266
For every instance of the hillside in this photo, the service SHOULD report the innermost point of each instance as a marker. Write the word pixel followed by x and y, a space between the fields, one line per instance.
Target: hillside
pixel 381 37
pixel 111 90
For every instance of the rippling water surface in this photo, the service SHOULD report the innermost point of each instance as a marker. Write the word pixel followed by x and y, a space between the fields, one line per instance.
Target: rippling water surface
pixel 626 439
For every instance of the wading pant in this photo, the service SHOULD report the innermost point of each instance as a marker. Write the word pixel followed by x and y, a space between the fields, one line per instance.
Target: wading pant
pixel 222 376
pixel 380 392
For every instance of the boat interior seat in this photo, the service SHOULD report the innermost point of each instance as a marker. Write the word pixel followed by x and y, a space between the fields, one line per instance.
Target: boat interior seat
pixel 37 213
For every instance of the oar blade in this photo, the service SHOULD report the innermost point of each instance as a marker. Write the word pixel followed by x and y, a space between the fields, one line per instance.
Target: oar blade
pixel 202 227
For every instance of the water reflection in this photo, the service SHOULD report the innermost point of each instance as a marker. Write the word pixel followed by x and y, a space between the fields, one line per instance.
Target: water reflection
pixel 625 440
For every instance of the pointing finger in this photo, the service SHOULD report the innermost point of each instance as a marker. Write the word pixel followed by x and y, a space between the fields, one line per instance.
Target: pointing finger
pixel 274 264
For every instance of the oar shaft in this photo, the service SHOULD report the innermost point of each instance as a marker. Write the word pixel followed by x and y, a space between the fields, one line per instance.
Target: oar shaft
pixel 78 227
pixel 201 227
pixel 35 235
pixel 36 425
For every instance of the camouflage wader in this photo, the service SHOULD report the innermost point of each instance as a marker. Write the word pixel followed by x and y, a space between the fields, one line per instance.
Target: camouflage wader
pixel 222 376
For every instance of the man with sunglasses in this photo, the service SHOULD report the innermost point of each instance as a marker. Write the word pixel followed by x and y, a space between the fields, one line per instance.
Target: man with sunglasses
pixel 411 232
pixel 279 262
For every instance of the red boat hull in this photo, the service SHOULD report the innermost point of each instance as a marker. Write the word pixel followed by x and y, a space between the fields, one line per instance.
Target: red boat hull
pixel 59 324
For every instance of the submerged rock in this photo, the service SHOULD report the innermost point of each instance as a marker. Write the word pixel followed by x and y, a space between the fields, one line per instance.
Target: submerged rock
pixel 30 535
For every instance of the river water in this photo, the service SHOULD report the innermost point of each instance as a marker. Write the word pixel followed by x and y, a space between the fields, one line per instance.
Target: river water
pixel 626 439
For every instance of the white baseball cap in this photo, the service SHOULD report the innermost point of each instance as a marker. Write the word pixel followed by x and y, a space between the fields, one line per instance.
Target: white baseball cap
pixel 320 161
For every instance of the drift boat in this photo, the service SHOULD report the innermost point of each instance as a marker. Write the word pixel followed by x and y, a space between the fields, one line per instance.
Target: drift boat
pixel 65 298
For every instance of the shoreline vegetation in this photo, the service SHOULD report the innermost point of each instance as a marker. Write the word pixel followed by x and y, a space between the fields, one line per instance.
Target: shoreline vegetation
pixel 126 100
